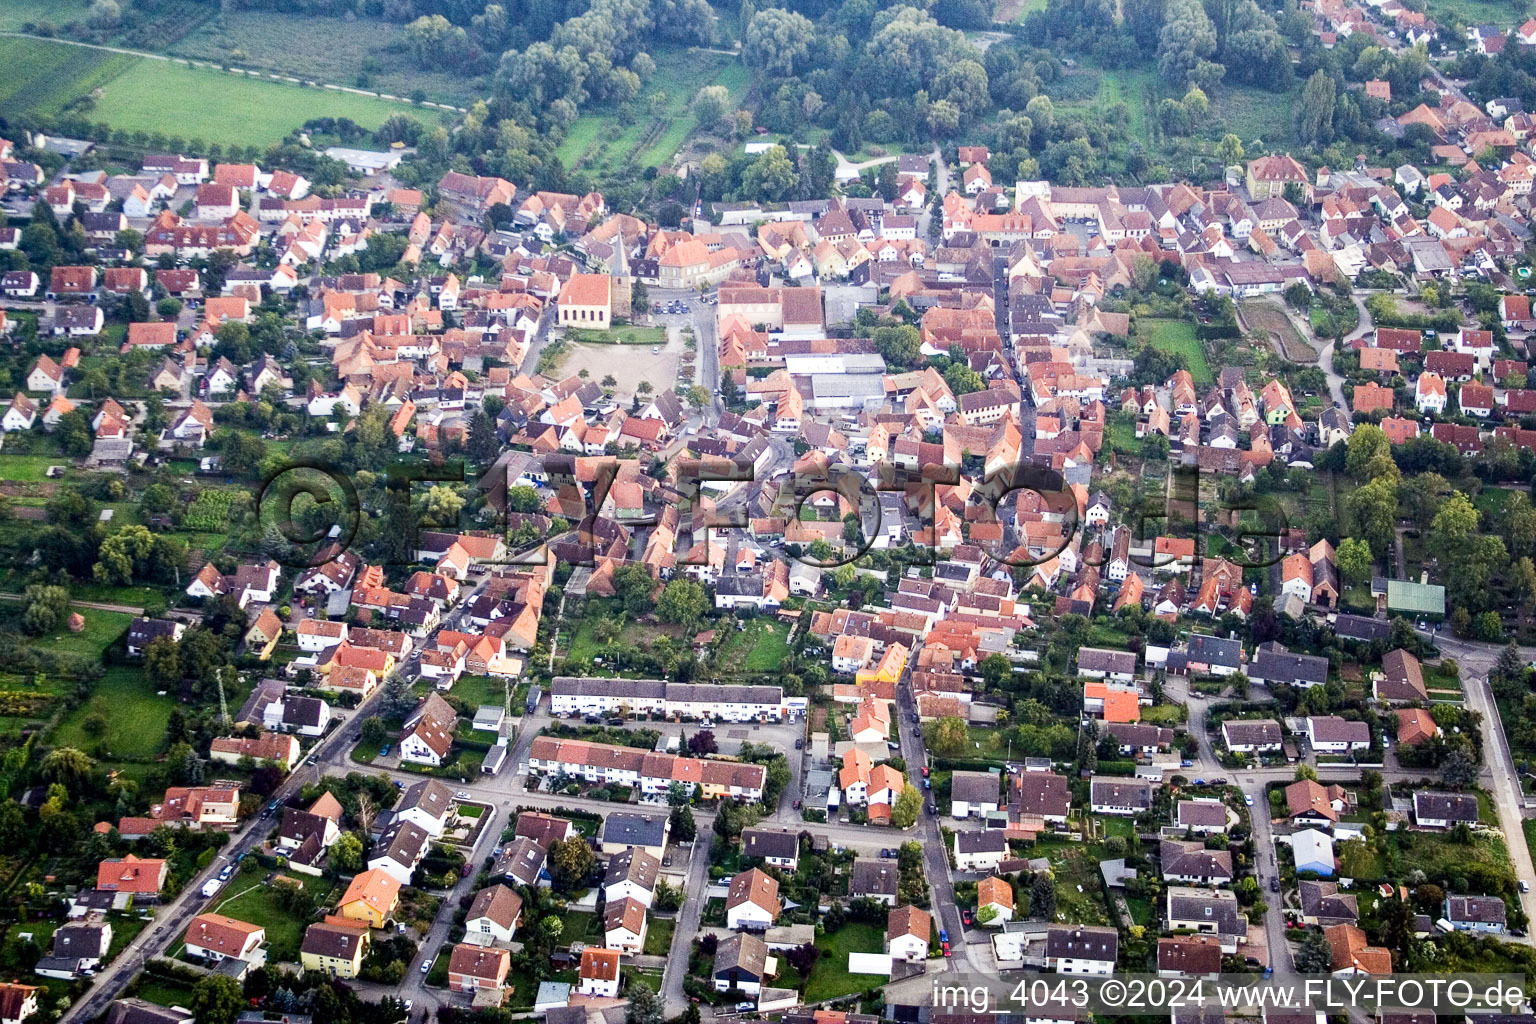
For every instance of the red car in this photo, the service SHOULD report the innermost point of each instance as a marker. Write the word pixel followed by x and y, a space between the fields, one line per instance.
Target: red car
pixel 946 950
pixel 965 915
pixel 925 771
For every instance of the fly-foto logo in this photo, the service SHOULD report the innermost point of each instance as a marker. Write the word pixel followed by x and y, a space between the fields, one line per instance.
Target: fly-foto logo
pixel 1020 515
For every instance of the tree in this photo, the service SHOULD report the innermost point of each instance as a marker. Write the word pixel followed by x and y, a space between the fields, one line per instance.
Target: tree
pixel 633 585
pixel 771 176
pixel 644 1007
pixel 1314 111
pixel 1365 445
pixel 1230 151
pixel 905 810
pixel 1374 510
pixel 482 443
pixel 995 668
pixel 703 743
pixel 570 861
pixel 434 40
pixel 1459 769
pixel 1355 559
pixel 1453 524
pixel 443 505
pixel 67 766
pixel 347 853
pixel 710 104
pixel 776 40
pixel 899 345
pixel 1042 897
pixel 683 602
pixel 948 736
pixel 1186 41
pixel 217 1000
pixel 373 730
pixel 45 609
pixel 963 380
pixel 1314 955
pixel 684 828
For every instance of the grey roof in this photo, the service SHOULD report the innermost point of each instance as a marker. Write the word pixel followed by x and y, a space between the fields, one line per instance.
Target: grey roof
pixel 1251 732
pixel 1118 792
pixel 770 842
pixel 742 953
pixel 1215 650
pixel 1097 659
pixel 1080 942
pixel 873 877
pixel 1324 901
pixel 1453 807
pixel 403 843
pixel 635 866
pixel 1333 729
pixel 974 787
pixel 1202 812
pixel 981 841
pixel 521 860
pixel 431 796
pixel 1192 859
pixel 635 830
pixel 1359 627
pixel 1139 734
pixel 1282 666
pixel 1475 909
pixel 1218 907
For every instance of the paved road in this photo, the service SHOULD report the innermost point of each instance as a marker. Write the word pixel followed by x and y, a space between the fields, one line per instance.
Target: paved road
pixel 172 918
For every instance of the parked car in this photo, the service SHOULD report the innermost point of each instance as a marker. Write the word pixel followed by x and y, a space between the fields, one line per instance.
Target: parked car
pixel 800 744
pixel 925 771
pixel 965 915
pixel 384 750
pixel 426 965
pixel 1199 782
pixel 745 1007
pixel 797 805
pixel 655 349
pixel 946 950
pixel 944 936
pixel 1186 764
pixel 1274 885
pixel 1248 800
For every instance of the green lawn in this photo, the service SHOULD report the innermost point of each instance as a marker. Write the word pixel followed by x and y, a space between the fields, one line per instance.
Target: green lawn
pixel 28 468
pixel 1359 861
pixel 252 900
pixel 619 336
pixel 44 76
pixel 478 690
pixel 658 936
pixel 164 992
pixel 101 630
pixel 135 715
pixel 1253 115
pixel 1178 336
pixel 830 978
pixel 761 647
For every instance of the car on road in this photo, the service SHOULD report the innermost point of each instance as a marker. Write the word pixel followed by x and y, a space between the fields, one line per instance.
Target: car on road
pixel 1525 886
pixel 426 965
pixel 797 805
pixel 1274 885
pixel 462 794
pixel 946 949
pixel 925 771
pixel 927 783
pixel 1199 782
pixel 655 350
pixel 930 807
pixel 800 744
pixel 1219 782
pixel 887 853
pixel 1248 800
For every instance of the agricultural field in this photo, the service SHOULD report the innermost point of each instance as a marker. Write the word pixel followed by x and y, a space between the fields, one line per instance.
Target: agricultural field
pixel 600 141
pixel 44 77
pixel 1266 316
pixel 16 13
pixel 1178 336
pixel 364 53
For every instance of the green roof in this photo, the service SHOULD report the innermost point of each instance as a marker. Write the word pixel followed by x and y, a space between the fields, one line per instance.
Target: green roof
pixel 1417 598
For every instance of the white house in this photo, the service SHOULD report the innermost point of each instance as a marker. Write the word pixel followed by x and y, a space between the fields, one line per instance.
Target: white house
pixel 981 850
pixel 1313 849
pixel 907 931
pixel 752 901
